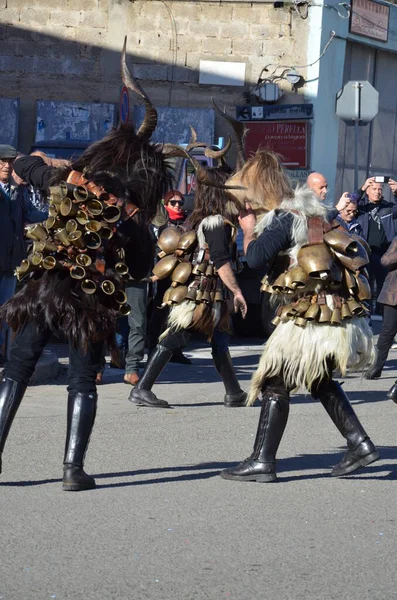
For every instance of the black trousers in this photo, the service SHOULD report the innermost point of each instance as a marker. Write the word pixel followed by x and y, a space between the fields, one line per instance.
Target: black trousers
pixel 26 351
pixel 377 275
pixel 387 334
pixel 180 339
pixel 159 316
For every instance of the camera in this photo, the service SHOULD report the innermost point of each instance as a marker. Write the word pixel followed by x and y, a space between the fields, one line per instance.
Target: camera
pixel 382 179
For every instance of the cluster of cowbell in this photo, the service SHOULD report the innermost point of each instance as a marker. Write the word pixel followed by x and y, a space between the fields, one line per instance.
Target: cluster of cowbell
pixel 193 276
pixel 82 219
pixel 329 283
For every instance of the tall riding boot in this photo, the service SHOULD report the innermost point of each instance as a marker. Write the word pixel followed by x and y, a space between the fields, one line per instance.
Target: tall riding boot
pixel 234 396
pixel 142 394
pixel 261 465
pixel 375 370
pixel 81 417
pixel 11 394
pixel 361 451
pixel 392 393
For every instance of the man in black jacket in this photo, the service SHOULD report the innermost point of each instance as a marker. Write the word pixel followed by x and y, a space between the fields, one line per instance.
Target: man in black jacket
pixel 15 210
pixel 377 218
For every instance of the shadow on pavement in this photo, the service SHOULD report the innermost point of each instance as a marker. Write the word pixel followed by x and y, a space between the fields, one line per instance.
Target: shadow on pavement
pixel 302 462
pixel 201 370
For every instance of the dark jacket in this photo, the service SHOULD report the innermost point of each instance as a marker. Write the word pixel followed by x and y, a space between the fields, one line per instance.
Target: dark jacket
pixel 14 213
pixel 352 227
pixel 388 294
pixel 274 239
pixel 34 171
pixel 387 214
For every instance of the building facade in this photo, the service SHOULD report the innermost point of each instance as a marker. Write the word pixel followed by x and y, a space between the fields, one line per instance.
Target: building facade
pixel 186 52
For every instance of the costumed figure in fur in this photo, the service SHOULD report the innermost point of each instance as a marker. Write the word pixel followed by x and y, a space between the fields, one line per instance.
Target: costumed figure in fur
pixel 96 237
pixel 204 289
pixel 316 275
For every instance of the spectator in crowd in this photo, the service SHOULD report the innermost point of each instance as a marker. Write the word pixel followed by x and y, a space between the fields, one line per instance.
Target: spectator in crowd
pixel 387 297
pixel 15 210
pixel 377 218
pixel 348 218
pixel 319 185
pixel 137 296
pixel 173 202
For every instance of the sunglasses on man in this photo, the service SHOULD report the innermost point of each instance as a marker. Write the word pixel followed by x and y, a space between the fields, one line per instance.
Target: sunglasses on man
pixel 177 202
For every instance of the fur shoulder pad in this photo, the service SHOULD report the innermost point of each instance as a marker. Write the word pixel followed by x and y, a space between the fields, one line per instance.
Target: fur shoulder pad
pixel 209 223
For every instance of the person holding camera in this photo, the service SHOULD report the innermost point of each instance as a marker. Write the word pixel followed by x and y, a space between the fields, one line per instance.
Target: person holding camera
pixel 377 218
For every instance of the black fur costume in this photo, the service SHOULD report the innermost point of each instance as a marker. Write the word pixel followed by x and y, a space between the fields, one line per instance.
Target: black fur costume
pixel 134 171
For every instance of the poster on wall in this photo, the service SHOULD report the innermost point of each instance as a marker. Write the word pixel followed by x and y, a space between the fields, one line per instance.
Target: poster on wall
pixel 287 138
pixel 370 19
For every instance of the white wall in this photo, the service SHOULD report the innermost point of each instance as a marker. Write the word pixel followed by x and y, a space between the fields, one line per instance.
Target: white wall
pixel 328 75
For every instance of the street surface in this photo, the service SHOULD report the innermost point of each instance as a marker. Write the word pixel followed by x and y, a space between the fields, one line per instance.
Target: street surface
pixel 162 525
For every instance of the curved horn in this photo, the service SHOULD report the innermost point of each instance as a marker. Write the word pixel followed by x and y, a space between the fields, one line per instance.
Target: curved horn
pixel 241 133
pixel 150 120
pixel 193 140
pixel 218 153
pixel 172 150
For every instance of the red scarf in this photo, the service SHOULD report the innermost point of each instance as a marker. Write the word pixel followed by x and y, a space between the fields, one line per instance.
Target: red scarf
pixel 174 215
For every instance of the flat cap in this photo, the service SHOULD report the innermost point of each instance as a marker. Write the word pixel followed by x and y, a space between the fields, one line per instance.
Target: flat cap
pixel 7 151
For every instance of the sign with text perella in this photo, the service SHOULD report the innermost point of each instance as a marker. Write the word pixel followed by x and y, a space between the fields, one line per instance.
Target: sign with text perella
pixel 287 138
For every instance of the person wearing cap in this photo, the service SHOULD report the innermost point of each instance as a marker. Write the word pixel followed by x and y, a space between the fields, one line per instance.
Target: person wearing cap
pixel 15 210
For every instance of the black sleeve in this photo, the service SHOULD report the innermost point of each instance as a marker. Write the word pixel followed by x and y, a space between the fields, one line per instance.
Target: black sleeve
pixel 360 194
pixel 139 245
pixel 218 240
pixel 275 238
pixel 34 171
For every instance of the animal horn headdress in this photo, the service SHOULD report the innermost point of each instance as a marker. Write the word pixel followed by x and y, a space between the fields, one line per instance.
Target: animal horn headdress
pixel 173 150
pixel 241 133
pixel 150 120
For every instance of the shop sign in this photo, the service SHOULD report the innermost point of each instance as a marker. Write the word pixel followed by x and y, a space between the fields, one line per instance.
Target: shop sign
pixel 274 113
pixel 370 19
pixel 287 138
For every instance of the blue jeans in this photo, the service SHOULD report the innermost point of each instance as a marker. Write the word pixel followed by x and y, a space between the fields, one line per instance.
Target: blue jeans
pixel 8 283
pixel 122 331
pixel 137 320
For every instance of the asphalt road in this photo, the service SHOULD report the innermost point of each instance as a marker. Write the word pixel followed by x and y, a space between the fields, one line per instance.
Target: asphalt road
pixel 162 525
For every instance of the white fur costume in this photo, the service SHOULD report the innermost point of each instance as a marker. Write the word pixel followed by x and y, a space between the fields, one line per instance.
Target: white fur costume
pixel 300 355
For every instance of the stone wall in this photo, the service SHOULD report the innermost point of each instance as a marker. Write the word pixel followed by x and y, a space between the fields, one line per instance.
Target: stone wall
pixel 54 50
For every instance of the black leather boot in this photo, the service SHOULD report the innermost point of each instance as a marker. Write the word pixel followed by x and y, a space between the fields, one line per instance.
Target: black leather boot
pixel 261 465
pixel 234 396
pixel 361 451
pixel 11 394
pixel 392 393
pixel 142 394
pixel 375 370
pixel 373 373
pixel 81 417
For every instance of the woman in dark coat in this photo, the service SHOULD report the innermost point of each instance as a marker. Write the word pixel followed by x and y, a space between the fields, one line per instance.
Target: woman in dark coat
pixel 387 297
